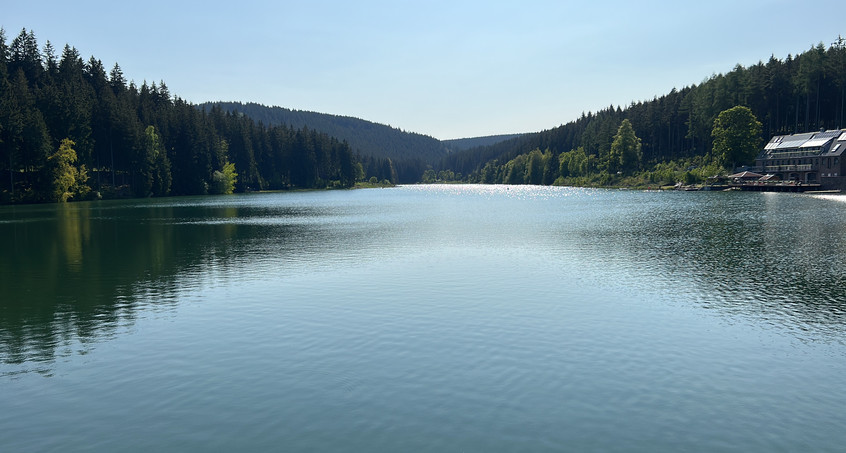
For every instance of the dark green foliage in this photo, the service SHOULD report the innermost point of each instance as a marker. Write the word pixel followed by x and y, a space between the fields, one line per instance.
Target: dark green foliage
pixel 798 94
pixel 365 137
pixel 461 144
pixel 626 152
pixel 142 141
pixel 737 136
pixel 45 98
pixel 156 166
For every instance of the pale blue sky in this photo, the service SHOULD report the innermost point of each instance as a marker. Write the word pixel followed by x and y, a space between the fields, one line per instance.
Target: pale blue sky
pixel 447 69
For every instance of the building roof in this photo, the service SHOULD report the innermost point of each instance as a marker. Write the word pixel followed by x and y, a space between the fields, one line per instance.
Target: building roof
pixel 820 139
pixel 806 142
pixel 837 149
pixel 816 142
pixel 774 142
pixel 746 175
pixel 793 141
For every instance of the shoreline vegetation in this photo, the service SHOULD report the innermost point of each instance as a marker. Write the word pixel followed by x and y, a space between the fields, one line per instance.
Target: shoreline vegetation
pixel 71 130
pixel 735 133
pixel 373 184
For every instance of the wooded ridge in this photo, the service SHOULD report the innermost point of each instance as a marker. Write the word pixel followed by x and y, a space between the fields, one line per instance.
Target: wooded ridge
pixel 70 130
pixel 799 93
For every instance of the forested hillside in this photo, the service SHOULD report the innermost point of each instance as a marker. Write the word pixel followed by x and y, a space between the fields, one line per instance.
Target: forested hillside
pixel 794 94
pixel 460 144
pixel 70 130
pixel 410 153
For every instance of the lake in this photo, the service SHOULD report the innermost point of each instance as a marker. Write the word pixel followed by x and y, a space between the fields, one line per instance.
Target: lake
pixel 438 318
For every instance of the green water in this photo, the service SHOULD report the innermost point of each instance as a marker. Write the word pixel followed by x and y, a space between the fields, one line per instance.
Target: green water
pixel 426 318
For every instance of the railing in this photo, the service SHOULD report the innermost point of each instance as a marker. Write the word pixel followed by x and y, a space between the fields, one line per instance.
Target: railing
pixel 779 168
pixel 794 154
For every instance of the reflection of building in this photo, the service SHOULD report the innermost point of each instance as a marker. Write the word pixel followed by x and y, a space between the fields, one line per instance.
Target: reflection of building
pixel 813 157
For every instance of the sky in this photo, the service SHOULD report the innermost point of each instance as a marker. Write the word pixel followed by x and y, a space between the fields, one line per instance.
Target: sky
pixel 448 69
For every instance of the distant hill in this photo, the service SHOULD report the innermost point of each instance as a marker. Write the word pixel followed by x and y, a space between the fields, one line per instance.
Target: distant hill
pixel 365 137
pixel 460 144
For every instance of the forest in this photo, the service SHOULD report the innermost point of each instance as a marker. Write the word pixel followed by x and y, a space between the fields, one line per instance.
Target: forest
pixel 71 129
pixel 411 153
pixel 799 93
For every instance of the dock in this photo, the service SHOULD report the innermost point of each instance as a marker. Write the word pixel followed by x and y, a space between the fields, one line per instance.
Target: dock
pixel 776 187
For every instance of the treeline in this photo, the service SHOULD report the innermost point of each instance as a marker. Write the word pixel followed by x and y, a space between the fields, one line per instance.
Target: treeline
pixel 460 144
pixel 409 152
pixel 70 129
pixel 62 117
pixel 797 94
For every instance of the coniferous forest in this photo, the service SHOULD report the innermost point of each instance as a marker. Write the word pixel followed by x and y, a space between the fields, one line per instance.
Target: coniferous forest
pixel 73 129
pixel 801 93
pixel 410 153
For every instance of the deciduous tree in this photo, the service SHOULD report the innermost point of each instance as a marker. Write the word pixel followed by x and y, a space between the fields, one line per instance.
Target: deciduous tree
pixel 224 180
pixel 158 165
pixel 65 178
pixel 737 136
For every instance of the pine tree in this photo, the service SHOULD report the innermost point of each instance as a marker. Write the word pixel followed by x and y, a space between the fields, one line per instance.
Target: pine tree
pixel 116 80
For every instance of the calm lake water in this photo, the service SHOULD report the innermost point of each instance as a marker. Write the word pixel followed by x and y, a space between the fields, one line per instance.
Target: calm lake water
pixel 426 318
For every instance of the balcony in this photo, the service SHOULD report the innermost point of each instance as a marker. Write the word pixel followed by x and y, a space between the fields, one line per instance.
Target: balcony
pixel 783 168
pixel 794 154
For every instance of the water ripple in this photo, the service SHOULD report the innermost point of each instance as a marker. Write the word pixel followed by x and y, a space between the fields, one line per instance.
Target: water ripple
pixel 440 318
